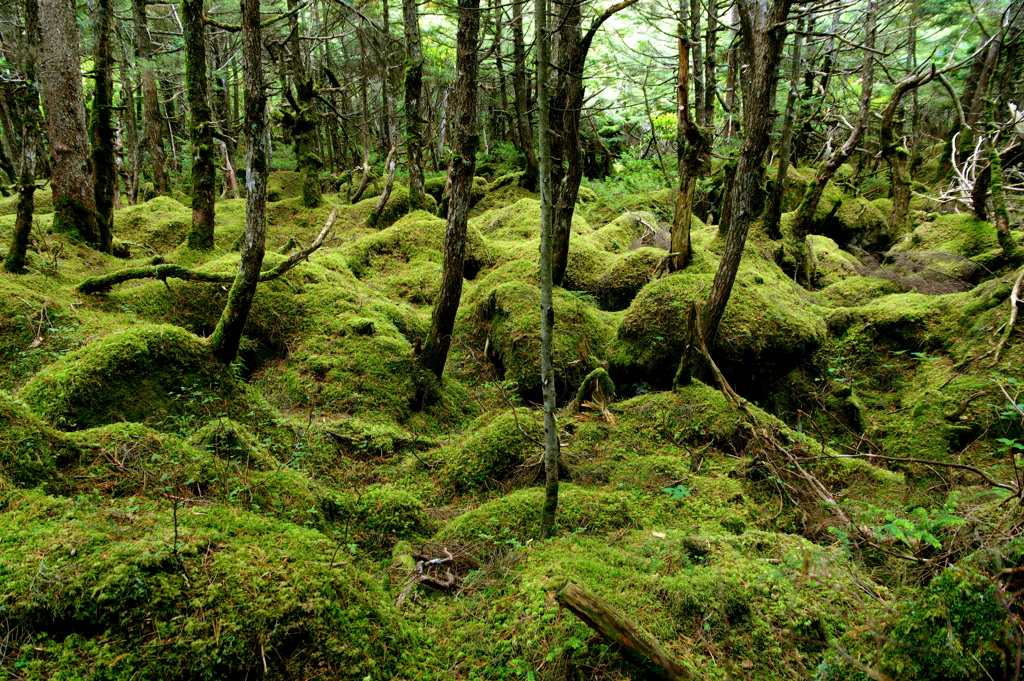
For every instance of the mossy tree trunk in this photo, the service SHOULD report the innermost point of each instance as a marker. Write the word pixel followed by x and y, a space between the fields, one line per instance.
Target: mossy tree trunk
pixel 764 34
pixel 150 99
pixel 204 154
pixel 74 204
pixel 104 163
pixel 130 128
pixel 521 98
pixel 896 154
pixel 812 196
pixel 226 337
pixel 460 179
pixel 16 259
pixel 547 308
pixel 774 212
pixel 710 65
pixel 303 124
pixel 413 92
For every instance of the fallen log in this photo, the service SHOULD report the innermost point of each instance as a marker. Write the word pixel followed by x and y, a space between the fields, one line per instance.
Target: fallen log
pixel 606 620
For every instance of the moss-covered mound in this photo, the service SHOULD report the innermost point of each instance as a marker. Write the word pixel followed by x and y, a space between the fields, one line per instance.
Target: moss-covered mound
pixel 767 329
pixel 396 206
pixel 284 184
pixel 159 375
pixel 514 520
pixel 496 447
pixel 621 233
pixel 616 288
pixel 30 451
pixel 957 245
pixel 42 203
pixel 519 221
pixel 127 589
pixel 159 224
pixel 503 318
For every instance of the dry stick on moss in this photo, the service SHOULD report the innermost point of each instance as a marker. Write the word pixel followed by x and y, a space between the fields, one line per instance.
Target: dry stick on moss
pixel 606 620
pixel 1014 299
pixel 104 283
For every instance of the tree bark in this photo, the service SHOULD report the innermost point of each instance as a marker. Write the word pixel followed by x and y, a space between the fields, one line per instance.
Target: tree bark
pixel 774 212
pixel 131 129
pixel 150 100
pixel 460 180
pixel 413 92
pixel 16 259
pixel 71 173
pixel 764 34
pixel 522 94
pixel 303 124
pixel 204 154
pixel 226 337
pixel 104 164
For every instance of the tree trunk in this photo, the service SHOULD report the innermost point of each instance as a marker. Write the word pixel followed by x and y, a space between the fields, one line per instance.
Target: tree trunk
pixel 104 163
pixel 226 337
pixel 522 93
pixel 204 154
pixel 413 92
pixel 73 200
pixel 16 259
pixel 547 309
pixel 130 127
pixel 774 212
pixel 710 66
pixel 812 196
pixel 460 180
pixel 764 34
pixel 308 161
pixel 895 154
pixel 150 100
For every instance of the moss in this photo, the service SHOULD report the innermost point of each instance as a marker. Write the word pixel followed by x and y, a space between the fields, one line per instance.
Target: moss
pixel 620 283
pixel 503 317
pixel 31 452
pixel 519 221
pixel 219 592
pixel 494 448
pixel 583 265
pixel 284 184
pixel 233 441
pixel 953 244
pixel 392 512
pixel 42 203
pixel 901 317
pixel 619 235
pixel 515 518
pixel 160 224
pixel 159 375
pixel 766 330
pixel 855 291
pixel 831 263
pixel 396 206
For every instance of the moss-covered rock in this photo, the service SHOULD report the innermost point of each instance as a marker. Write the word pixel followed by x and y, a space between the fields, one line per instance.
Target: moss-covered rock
pixel 503 318
pixel 389 511
pixel 494 448
pixel 42 203
pixel 854 291
pixel 958 245
pixel 31 452
pixel 397 205
pixel 618 235
pixel 160 224
pixel 159 375
pixel 519 221
pixel 284 184
pixel 616 288
pixel 219 592
pixel 767 328
pixel 514 519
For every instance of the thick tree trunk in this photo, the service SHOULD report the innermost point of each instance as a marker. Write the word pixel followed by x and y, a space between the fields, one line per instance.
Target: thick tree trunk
pixel 104 164
pixel 204 154
pixel 150 100
pixel 226 337
pixel 71 173
pixel 764 33
pixel 303 125
pixel 460 180
pixel 895 154
pixel 413 92
pixel 131 130
pixel 16 259
pixel 774 212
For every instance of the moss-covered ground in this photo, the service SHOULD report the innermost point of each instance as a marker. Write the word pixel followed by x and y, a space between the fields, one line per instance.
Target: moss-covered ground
pixel 165 517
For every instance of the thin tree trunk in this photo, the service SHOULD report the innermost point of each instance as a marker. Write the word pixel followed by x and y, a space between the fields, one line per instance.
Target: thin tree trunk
pixel 413 92
pixel 104 164
pixel 60 70
pixel 764 34
pixel 204 168
pixel 460 181
pixel 895 154
pixel 774 212
pixel 547 309
pixel 226 337
pixel 150 100
pixel 522 92
pixel 812 196
pixel 131 129
pixel 16 259
pixel 710 66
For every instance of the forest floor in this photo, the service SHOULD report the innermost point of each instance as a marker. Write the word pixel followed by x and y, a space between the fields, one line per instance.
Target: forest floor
pixel 303 515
